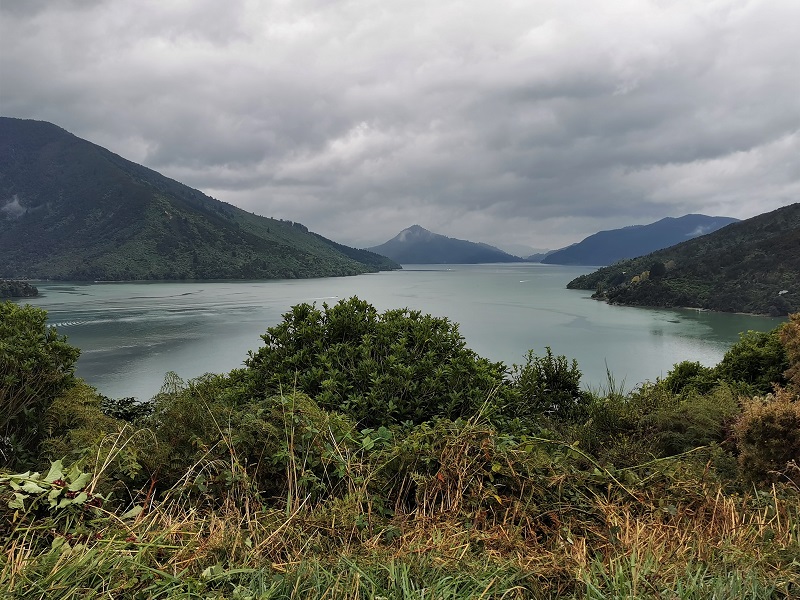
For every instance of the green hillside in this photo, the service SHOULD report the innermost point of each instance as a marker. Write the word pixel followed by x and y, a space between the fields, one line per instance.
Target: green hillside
pixel 752 266
pixel 72 210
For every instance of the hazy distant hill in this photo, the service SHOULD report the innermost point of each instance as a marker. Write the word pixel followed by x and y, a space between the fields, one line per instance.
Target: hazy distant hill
pixel 417 245
pixel 523 250
pixel 607 247
pixel 70 209
pixel 750 266
pixel 539 256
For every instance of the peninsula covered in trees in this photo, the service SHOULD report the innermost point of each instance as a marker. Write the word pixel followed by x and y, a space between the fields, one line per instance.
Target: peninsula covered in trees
pixel 752 266
pixel 10 288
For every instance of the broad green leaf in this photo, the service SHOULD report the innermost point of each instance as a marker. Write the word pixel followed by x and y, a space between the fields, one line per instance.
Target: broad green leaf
pixel 31 488
pixel 211 572
pixel 79 482
pixel 52 497
pixel 56 472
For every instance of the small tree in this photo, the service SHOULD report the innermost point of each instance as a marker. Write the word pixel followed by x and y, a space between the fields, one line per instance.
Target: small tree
pixel 657 269
pixel 758 359
pixel 36 366
pixel 789 334
pixel 547 386
pixel 688 376
pixel 768 437
pixel 378 368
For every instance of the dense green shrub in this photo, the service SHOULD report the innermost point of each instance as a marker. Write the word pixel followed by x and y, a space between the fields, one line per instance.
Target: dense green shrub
pixel 215 439
pixel 79 431
pixel 74 421
pixel 758 360
pixel 36 366
pixel 126 409
pixel 653 422
pixel 547 386
pixel 789 334
pixel 614 430
pixel 688 376
pixel 378 368
pixel 697 420
pixel 768 437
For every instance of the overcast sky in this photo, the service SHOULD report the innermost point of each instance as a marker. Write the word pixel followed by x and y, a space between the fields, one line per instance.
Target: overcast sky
pixel 534 122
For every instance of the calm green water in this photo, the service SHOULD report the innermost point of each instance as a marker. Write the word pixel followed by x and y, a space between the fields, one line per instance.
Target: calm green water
pixel 131 334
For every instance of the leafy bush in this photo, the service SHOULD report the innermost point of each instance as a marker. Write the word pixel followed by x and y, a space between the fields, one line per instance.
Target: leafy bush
pixel 789 334
pixel 768 437
pixel 616 431
pixel 65 495
pixel 758 359
pixel 688 376
pixel 126 409
pixel 653 422
pixel 547 386
pixel 74 421
pixel 216 440
pixel 698 420
pixel 36 366
pixel 379 368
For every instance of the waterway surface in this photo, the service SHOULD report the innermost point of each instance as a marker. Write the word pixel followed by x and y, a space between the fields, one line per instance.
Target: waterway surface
pixel 131 334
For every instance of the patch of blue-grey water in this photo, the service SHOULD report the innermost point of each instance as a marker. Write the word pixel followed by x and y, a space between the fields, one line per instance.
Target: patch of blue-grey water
pixel 131 334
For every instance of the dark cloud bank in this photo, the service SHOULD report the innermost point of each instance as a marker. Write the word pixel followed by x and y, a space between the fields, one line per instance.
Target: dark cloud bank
pixel 533 123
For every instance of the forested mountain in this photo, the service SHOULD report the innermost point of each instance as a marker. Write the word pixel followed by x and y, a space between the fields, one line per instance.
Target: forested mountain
pixel 417 245
pixel 750 266
pixel 607 247
pixel 70 209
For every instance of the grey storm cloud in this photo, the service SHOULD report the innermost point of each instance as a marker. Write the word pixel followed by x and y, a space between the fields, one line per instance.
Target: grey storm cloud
pixel 534 123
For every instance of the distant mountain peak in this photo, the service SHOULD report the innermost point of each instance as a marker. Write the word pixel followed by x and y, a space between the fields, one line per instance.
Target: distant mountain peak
pixel 608 247
pixel 417 245
pixel 414 233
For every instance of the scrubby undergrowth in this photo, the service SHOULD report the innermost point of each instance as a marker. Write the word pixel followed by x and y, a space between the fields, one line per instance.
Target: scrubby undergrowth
pixel 317 472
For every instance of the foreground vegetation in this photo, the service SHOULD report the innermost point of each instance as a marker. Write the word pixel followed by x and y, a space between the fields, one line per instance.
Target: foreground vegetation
pixel 361 454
